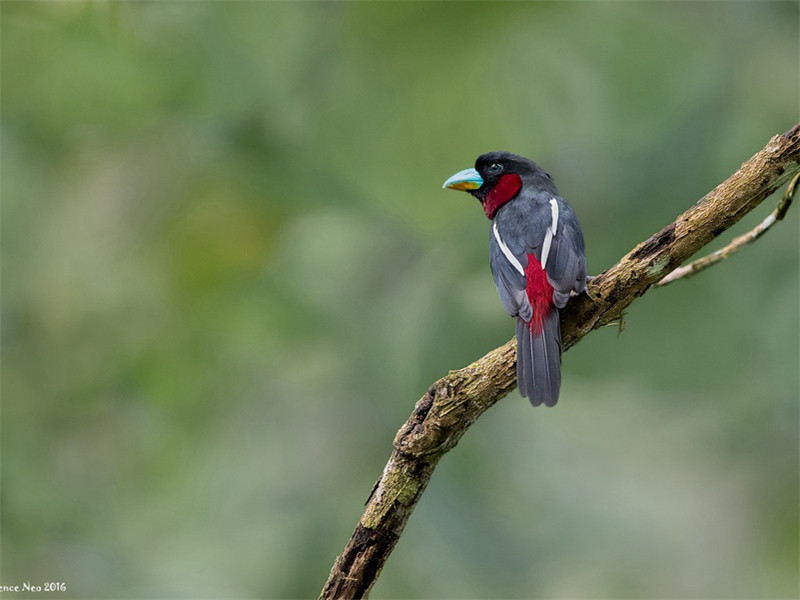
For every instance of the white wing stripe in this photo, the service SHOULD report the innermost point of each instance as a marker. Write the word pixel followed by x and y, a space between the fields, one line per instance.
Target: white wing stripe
pixel 508 254
pixel 550 233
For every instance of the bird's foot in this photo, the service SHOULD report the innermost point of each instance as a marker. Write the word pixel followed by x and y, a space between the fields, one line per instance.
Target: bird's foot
pixel 586 289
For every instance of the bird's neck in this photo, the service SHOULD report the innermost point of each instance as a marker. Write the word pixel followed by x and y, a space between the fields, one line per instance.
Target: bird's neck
pixel 506 188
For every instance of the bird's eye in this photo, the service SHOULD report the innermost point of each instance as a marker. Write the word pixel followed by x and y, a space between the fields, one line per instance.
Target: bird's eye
pixel 495 168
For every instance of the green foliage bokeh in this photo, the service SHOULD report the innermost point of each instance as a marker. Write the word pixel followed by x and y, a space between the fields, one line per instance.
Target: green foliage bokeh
pixel 229 271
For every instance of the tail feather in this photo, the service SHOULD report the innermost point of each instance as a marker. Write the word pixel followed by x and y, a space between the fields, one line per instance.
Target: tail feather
pixel 539 361
pixel 524 378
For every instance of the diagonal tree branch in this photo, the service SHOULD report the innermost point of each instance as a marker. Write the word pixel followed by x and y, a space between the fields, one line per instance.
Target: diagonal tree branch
pixel 454 402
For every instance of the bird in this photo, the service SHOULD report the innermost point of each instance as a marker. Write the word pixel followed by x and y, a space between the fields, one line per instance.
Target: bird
pixel 537 257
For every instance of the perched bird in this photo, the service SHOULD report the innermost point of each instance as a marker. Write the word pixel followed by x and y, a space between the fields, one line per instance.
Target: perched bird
pixel 538 260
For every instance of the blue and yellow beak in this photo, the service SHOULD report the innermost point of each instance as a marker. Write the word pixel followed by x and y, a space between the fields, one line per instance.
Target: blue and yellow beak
pixel 468 179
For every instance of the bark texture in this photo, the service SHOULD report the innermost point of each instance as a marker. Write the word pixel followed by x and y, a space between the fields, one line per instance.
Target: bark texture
pixel 456 401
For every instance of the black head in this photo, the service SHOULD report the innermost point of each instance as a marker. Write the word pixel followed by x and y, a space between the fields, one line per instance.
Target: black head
pixel 493 165
pixel 499 177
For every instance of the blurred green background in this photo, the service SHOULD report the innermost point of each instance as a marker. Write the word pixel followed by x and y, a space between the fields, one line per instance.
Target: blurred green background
pixel 229 272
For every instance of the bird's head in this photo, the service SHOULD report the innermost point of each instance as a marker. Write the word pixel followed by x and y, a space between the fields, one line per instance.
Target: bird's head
pixel 498 178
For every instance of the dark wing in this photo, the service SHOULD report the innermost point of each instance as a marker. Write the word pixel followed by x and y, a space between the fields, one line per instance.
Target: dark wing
pixel 566 261
pixel 508 279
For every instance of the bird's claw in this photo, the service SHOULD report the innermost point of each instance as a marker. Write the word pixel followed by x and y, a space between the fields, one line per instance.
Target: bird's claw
pixel 586 291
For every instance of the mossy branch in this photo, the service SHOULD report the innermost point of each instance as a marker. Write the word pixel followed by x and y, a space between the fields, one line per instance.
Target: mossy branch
pixel 455 402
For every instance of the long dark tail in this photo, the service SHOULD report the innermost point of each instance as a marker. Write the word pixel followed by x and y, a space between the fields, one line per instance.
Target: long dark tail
pixel 539 360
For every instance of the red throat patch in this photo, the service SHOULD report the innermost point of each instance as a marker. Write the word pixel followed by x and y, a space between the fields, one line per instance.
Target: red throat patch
pixel 503 191
pixel 540 294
